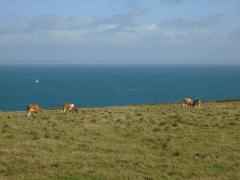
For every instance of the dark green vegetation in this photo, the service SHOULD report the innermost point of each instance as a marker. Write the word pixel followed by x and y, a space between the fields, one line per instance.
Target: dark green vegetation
pixel 135 142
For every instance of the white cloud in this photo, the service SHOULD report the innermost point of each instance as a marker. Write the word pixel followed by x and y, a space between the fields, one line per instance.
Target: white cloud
pixel 116 30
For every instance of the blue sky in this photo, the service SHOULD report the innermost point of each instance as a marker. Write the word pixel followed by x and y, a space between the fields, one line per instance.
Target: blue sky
pixel 120 31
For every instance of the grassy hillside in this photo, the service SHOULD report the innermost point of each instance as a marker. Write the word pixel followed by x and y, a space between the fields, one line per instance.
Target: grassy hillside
pixel 135 142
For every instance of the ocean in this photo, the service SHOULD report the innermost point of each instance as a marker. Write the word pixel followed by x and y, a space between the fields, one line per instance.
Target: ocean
pixel 113 85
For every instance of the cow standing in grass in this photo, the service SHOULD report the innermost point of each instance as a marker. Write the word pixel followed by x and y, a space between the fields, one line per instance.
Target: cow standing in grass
pixel 69 107
pixel 187 102
pixel 33 108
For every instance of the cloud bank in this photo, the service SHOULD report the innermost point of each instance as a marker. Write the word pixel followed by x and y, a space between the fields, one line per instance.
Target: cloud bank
pixel 118 29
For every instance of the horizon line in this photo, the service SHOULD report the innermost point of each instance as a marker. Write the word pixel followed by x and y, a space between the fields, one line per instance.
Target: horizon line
pixel 119 64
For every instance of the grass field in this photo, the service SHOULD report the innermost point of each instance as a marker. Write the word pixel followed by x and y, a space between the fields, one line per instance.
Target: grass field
pixel 129 142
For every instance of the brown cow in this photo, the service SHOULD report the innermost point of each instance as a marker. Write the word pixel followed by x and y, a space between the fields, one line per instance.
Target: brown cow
pixel 187 102
pixel 33 108
pixel 69 107
pixel 196 102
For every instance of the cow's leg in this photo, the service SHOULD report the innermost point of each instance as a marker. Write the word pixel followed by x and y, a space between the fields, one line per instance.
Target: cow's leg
pixel 64 111
pixel 29 114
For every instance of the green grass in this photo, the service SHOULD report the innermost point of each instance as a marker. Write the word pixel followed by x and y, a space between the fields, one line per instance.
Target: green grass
pixel 129 142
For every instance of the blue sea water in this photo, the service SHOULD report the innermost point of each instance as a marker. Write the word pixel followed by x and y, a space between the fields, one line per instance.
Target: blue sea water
pixel 108 85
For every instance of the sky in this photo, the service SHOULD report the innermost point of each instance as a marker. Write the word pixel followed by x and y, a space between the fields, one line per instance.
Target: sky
pixel 120 32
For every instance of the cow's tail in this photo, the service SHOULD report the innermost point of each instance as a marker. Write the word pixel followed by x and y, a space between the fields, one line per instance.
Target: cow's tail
pixel 29 112
pixel 28 107
pixel 62 107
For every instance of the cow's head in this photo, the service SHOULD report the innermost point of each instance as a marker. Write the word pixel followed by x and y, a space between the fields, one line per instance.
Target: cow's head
pixel 75 109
